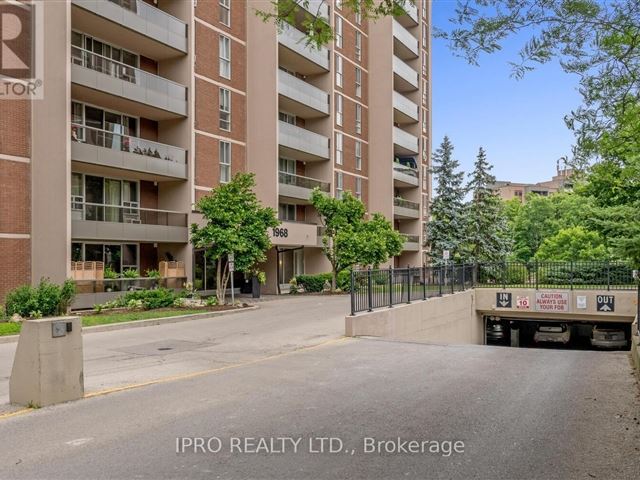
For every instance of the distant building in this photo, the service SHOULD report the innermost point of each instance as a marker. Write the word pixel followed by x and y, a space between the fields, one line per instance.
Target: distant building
pixel 510 190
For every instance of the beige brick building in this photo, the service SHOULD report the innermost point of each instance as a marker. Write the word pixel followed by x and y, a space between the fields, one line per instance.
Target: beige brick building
pixel 149 104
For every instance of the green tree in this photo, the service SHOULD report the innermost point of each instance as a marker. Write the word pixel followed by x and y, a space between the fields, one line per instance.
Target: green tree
pixel 534 223
pixel 571 244
pixel 317 28
pixel 487 229
pixel 448 225
pixel 349 239
pixel 595 40
pixel 237 223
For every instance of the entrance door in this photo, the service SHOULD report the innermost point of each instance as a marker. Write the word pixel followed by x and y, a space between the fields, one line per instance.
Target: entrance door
pixel 291 265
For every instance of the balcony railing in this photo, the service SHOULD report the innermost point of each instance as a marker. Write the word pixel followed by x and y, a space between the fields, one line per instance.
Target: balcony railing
pixel 303 140
pixel 406 38
pixel 127 73
pixel 127 143
pixel 317 8
pixel 302 182
pixel 398 167
pixel 411 10
pixel 302 92
pixel 404 105
pixel 401 202
pixel 154 15
pixel 410 238
pixel 409 74
pixel 98 212
pixel 127 284
pixel 405 140
pixel 295 40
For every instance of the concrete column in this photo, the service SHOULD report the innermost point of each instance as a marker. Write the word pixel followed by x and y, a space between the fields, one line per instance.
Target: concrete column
pixel 48 366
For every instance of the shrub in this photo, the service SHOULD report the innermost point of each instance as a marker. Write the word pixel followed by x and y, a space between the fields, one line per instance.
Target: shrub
pixel 109 273
pixel 45 300
pixel 313 283
pixel 211 301
pixel 131 273
pixel 151 299
pixel 343 282
pixel 153 273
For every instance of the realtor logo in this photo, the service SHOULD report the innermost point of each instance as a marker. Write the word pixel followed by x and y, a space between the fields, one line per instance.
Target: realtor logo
pixel 20 52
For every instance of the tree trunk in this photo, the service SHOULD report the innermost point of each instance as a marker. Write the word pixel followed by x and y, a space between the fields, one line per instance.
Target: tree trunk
pixel 222 278
pixel 334 278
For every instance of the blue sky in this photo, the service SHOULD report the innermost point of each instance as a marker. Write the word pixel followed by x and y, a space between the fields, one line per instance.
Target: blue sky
pixel 518 122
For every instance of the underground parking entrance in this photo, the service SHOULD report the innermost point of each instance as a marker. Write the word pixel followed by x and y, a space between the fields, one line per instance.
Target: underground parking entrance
pixel 556 333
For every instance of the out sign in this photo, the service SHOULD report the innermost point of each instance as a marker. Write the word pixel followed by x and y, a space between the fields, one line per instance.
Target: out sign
pixel 606 303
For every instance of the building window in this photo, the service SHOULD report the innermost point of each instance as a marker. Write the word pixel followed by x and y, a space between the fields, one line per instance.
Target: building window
pixel 224 47
pixel 424 35
pixel 225 109
pixel 287 212
pixel 358 118
pixel 338 109
pixel 287 118
pixel 424 149
pixel 359 188
pixel 225 12
pixel 225 162
pixel 358 46
pixel 338 71
pixel 358 155
pixel 424 8
pixel 425 178
pixel 424 121
pixel 358 82
pixel 339 185
pixel 425 92
pixel 358 15
pixel 339 32
pixel 339 157
pixel 424 63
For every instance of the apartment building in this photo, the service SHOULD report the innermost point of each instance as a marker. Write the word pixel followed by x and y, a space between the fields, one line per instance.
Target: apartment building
pixel 149 104
pixel 509 190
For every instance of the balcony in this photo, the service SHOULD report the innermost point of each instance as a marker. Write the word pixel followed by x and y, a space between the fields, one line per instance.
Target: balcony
pixel 405 78
pixel 299 187
pixel 133 24
pixel 100 80
pixel 302 144
pixel 405 45
pixel 404 110
pixel 294 53
pixel 301 98
pixel 94 221
pixel 410 18
pixel 411 242
pixel 405 209
pixel 404 176
pixel 404 142
pixel 109 149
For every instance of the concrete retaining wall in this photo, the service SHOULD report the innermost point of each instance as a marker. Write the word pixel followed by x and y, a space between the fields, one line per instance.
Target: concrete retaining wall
pixel 450 319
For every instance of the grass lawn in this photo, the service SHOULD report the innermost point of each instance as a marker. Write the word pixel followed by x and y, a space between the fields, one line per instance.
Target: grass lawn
pixel 106 318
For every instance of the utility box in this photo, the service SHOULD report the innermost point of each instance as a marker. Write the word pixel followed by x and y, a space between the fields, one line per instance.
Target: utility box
pixel 48 366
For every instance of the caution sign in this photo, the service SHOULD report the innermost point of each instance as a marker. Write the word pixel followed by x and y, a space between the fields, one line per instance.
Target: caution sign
pixel 522 303
pixel 606 303
pixel 503 299
pixel 552 302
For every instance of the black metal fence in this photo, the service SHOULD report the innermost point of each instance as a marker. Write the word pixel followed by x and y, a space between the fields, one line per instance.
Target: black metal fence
pixel 376 288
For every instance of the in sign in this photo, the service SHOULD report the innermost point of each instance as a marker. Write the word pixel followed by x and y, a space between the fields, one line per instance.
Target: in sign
pixel 606 303
pixel 503 299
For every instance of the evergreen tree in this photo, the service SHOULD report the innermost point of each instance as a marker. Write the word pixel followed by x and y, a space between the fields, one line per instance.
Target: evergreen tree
pixel 487 229
pixel 447 227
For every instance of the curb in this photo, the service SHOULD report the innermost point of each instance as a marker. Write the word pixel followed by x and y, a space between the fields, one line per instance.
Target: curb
pixel 146 323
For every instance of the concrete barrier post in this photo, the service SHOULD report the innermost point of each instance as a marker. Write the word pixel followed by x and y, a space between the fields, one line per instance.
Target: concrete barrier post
pixel 48 365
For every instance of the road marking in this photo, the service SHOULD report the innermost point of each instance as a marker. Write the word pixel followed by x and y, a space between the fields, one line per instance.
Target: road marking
pixel 79 441
pixel 187 376
pixel 16 413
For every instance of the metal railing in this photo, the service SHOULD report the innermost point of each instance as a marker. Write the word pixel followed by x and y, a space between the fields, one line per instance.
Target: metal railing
pixel 302 182
pixel 127 143
pixel 401 202
pixel 570 275
pixel 377 288
pixel 398 167
pixel 128 284
pixel 127 73
pixel 153 15
pixel 98 212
